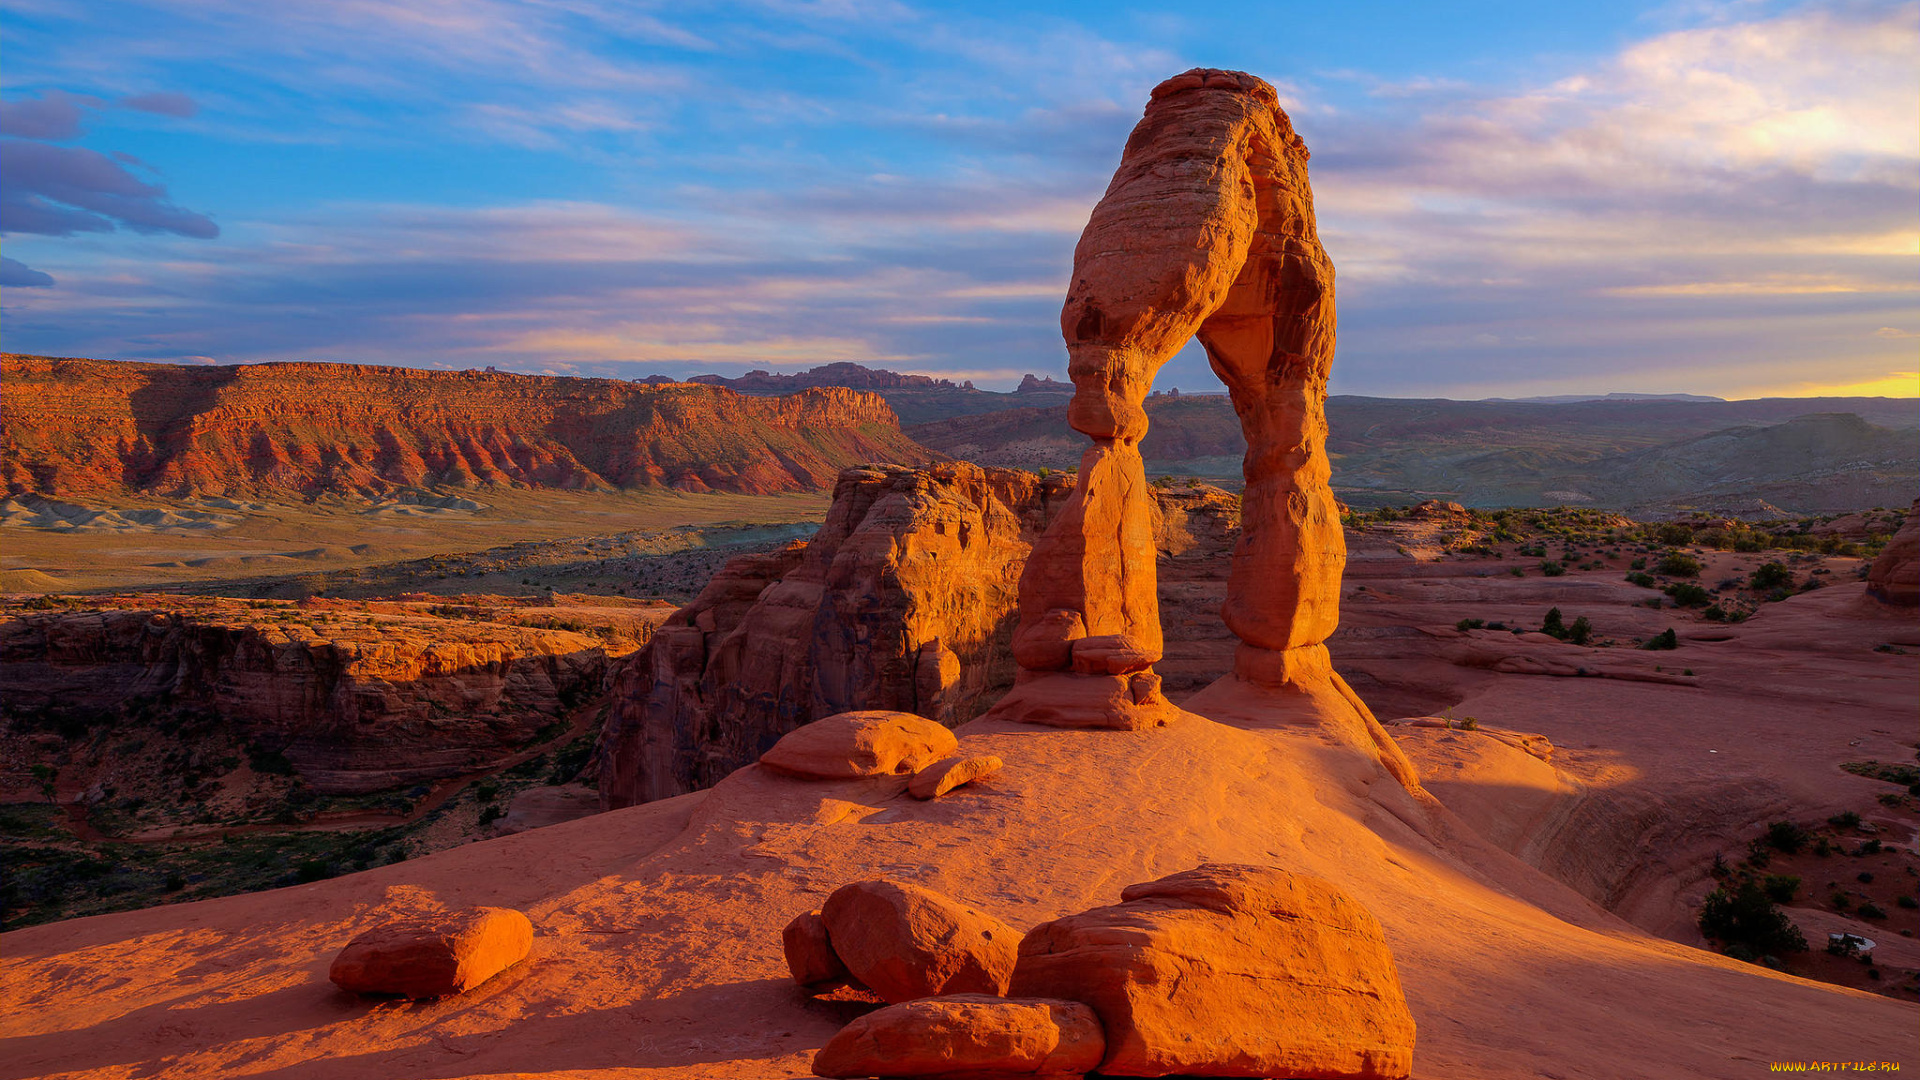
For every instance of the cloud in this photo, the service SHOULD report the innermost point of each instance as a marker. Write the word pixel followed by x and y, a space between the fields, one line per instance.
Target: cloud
pixel 61 190
pixel 15 274
pixel 52 116
pixel 162 103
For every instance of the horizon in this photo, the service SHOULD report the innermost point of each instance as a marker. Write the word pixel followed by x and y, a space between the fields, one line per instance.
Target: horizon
pixel 1520 203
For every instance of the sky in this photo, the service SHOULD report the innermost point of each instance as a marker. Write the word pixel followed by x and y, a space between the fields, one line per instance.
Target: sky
pixel 1519 198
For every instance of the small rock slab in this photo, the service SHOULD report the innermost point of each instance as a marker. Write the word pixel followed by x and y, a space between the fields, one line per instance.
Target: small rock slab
pixel 809 952
pixel 872 742
pixel 1230 971
pixel 435 955
pixel 967 1035
pixel 906 942
pixel 948 773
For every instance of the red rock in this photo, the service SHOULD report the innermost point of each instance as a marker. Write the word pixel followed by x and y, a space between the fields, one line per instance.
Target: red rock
pixel 1894 577
pixel 906 942
pixel 873 742
pixel 809 952
pixel 948 773
pixel 1230 971
pixel 1207 229
pixel 967 1035
pixel 343 429
pixel 433 956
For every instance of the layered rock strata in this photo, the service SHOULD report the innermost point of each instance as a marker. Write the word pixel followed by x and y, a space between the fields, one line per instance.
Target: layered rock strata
pixel 79 428
pixel 1207 229
pixel 355 700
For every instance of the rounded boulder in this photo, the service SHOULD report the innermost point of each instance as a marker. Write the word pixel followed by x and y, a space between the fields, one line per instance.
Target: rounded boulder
pixel 872 742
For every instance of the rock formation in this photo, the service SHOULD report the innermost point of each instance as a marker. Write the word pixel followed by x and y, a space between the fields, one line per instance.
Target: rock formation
pixel 1894 577
pixel 906 942
pixel 356 700
pixel 948 773
pixel 968 1036
pixel 904 600
pixel 302 430
pixel 435 955
pixel 1230 971
pixel 1207 229
pixel 870 743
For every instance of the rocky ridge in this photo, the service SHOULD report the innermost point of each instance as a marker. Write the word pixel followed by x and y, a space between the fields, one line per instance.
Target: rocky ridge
pixel 98 428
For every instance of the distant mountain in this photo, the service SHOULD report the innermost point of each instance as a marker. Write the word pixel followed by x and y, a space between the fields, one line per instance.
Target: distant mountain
pixel 1651 456
pixel 915 399
pixel 1563 399
pixel 94 428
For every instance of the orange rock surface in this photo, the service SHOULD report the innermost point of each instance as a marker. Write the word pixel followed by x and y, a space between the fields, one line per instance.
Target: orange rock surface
pixel 810 956
pixel 869 743
pixel 967 1036
pixel 105 428
pixel 433 956
pixel 948 773
pixel 904 941
pixel 1895 575
pixel 1230 971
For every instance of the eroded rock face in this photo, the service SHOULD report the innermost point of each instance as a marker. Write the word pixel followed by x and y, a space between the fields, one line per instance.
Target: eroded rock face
pixel 1230 971
pixel 948 773
pixel 809 952
pixel 109 428
pixel 1894 577
pixel 904 600
pixel 906 942
pixel 433 956
pixel 870 743
pixel 1207 229
pixel 357 700
pixel 967 1035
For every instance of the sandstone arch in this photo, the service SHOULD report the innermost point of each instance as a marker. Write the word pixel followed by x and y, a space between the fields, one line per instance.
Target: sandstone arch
pixel 1206 230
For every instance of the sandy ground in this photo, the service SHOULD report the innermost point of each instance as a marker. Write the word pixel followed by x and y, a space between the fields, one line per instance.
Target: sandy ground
pixel 658 927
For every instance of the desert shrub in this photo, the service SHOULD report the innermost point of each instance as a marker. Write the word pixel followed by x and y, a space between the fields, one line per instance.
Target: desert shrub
pixel 1871 910
pixel 1637 564
pixel 1687 594
pixel 1715 613
pixel 1552 625
pixel 1864 877
pixel 1907 902
pixel 1666 639
pixel 1678 565
pixel 1746 917
pixel 486 791
pixel 1672 533
pixel 1845 820
pixel 1771 575
pixel 1869 847
pixel 1786 836
pixel 1470 724
pixel 1645 581
pixel 492 814
pixel 1891 772
pixel 1552 569
pixel 1781 888
pixel 1581 631
pixel 1469 624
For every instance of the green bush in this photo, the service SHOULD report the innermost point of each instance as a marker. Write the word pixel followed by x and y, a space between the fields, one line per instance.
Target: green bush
pixel 1786 836
pixel 1666 639
pixel 1870 910
pixel 1552 626
pixel 1846 820
pixel 1769 576
pixel 1781 888
pixel 1678 565
pixel 1581 631
pixel 1645 581
pixel 1746 917
pixel 1687 594
pixel 1469 624
pixel 1552 569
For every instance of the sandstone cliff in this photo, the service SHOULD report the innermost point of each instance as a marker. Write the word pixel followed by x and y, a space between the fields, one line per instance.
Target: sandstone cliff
pixel 95 427
pixel 903 600
pixel 356 697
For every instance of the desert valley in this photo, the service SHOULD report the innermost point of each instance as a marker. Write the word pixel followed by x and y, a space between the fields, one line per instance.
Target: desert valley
pixel 362 720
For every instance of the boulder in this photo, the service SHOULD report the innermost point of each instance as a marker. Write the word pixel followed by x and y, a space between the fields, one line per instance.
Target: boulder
pixel 1894 577
pixel 1230 971
pixel 869 743
pixel 810 955
pixel 948 773
pixel 906 942
pixel 967 1035
pixel 433 956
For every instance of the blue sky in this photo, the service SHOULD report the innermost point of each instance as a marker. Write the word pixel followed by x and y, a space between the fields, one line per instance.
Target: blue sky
pixel 1519 198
